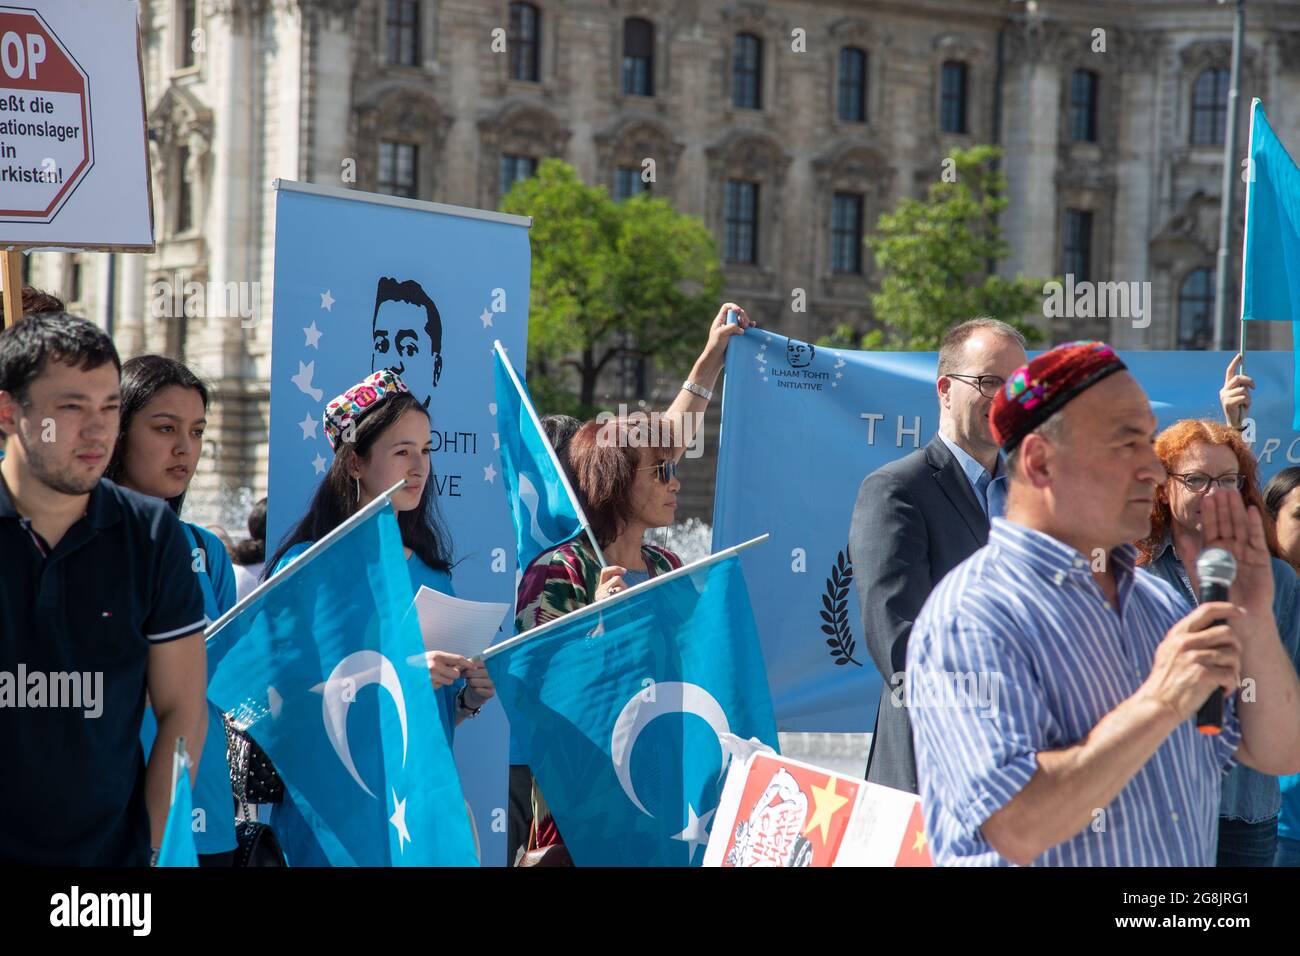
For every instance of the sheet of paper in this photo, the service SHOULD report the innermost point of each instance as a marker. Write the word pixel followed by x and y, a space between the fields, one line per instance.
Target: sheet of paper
pixel 456 625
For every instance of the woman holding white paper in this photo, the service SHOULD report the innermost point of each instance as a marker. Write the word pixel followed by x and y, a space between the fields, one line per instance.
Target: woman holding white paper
pixel 380 436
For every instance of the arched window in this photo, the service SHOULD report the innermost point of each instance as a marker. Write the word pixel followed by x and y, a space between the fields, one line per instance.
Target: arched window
pixel 747 72
pixel 399 165
pixel 1196 310
pixel 742 221
pixel 402 29
pixel 853 85
pixel 1210 107
pixel 846 233
pixel 1076 247
pixel 524 42
pixel 952 105
pixel 1083 106
pixel 638 57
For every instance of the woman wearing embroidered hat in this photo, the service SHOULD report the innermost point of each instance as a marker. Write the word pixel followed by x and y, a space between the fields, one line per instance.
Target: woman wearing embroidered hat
pixel 380 435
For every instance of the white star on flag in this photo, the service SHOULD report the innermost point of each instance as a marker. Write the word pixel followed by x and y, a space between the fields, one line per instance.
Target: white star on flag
pixel 313 336
pixel 763 358
pixel 308 426
pixel 398 820
pixel 839 374
pixel 486 318
pixel 696 831
pixel 327 301
pixel 489 473
pixel 318 463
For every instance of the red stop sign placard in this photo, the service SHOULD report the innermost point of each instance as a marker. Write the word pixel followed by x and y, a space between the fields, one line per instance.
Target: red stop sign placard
pixel 45 131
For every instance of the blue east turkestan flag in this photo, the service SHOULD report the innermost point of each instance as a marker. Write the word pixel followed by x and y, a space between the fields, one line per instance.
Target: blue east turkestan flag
pixel 631 710
pixel 178 847
pixel 327 671
pixel 1270 287
pixel 542 503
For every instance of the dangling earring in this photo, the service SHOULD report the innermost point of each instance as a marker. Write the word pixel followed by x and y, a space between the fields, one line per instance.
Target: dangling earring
pixel 358 481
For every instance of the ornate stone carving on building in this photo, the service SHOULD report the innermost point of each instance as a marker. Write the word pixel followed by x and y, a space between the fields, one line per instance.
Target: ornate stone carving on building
pixel 755 157
pixel 180 119
pixel 401 111
pixel 1136 50
pixel 518 128
pixel 632 141
pixel 851 167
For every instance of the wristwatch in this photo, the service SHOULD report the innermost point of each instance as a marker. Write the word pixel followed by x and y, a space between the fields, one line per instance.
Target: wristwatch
pixel 460 702
pixel 699 390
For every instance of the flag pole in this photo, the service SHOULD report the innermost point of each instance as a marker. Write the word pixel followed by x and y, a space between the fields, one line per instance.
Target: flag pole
pixel 605 604
pixel 555 459
pixel 179 759
pixel 384 500
pixel 1255 104
pixel 1229 174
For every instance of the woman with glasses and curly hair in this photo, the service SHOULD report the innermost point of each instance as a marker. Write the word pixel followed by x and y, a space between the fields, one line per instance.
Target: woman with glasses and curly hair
pixel 1203 458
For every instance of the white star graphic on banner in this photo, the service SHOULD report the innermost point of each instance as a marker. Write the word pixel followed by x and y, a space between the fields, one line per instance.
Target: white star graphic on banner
pixel 486 318
pixel 318 463
pixel 492 409
pixel 313 336
pixel 398 820
pixel 763 358
pixel 496 441
pixel 489 473
pixel 308 426
pixel 695 832
pixel 839 374
pixel 327 301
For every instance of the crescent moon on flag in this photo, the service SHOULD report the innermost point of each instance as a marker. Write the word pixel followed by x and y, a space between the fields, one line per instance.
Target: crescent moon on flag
pixel 354 672
pixel 670 697
pixel 532 503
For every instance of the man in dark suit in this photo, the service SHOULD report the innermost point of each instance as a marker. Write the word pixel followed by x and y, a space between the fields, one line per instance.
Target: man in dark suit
pixel 919 517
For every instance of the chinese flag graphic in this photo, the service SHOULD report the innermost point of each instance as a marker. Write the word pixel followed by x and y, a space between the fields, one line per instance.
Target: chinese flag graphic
pixel 915 850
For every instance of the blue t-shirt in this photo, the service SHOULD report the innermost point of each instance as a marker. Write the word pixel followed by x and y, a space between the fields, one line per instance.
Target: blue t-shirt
pixel 212 790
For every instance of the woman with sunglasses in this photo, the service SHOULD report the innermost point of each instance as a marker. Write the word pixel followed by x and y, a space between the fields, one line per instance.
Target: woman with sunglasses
pixel 1202 458
pixel 626 475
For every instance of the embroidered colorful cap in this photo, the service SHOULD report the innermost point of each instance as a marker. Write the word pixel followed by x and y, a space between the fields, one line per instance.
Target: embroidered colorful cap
pixel 1040 389
pixel 359 399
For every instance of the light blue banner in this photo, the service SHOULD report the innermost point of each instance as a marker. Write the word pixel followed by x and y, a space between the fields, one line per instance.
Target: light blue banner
pixel 362 284
pixel 634 708
pixel 802 426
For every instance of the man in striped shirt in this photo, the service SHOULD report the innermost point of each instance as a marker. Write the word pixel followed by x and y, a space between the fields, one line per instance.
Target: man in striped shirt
pixel 1052 686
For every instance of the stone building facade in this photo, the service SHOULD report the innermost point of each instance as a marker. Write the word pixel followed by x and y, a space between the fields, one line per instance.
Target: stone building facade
pixel 788 126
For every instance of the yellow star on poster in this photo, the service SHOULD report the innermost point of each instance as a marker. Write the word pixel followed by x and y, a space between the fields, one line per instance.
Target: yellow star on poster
pixel 919 843
pixel 826 802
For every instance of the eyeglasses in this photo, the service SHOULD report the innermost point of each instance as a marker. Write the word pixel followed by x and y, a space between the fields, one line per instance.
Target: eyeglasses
pixel 1198 483
pixel 666 470
pixel 986 385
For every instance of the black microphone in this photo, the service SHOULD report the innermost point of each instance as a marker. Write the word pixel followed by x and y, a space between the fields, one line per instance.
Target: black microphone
pixel 1217 569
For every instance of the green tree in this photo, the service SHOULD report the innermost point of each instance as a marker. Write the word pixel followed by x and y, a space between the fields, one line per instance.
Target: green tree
pixel 608 279
pixel 933 256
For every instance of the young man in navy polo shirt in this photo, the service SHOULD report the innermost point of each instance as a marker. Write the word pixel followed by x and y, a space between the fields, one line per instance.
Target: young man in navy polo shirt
pixel 98 604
